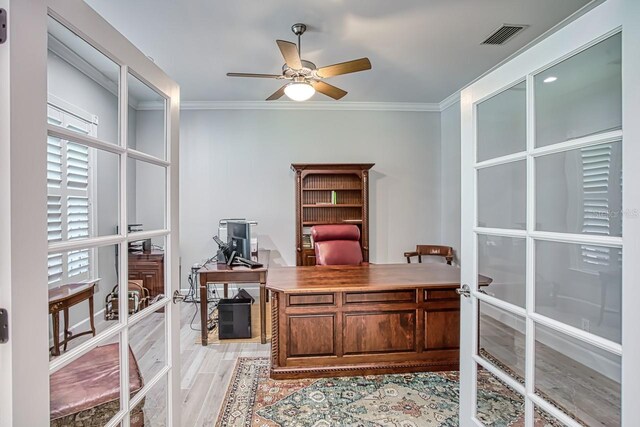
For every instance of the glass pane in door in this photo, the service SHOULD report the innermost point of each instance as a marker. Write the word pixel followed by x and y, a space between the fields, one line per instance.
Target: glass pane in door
pixel 147 338
pixel 501 123
pixel 83 191
pixel 503 259
pixel 580 191
pixel 88 388
pixel 152 410
pixel 146 119
pixel 497 404
pixel 580 285
pixel 543 419
pixel 581 95
pixel 502 196
pixel 83 81
pixel 501 340
pixel 578 378
pixel 147 263
pixel 82 287
pixel 146 202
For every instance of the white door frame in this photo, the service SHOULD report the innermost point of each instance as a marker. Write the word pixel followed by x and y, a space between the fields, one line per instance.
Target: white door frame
pixel 24 361
pixel 604 19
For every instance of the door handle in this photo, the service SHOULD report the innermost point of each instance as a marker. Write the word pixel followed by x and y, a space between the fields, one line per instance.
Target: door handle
pixel 464 290
pixel 178 297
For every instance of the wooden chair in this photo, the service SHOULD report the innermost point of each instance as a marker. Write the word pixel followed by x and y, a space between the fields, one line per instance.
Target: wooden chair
pixel 430 250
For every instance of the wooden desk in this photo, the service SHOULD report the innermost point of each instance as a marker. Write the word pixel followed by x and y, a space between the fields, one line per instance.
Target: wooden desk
pixel 359 320
pixel 61 299
pixel 222 273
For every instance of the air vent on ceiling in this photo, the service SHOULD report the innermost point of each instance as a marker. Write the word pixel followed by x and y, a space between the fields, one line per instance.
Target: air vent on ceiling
pixel 504 34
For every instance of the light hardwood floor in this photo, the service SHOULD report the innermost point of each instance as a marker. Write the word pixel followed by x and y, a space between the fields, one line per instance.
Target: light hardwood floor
pixel 206 371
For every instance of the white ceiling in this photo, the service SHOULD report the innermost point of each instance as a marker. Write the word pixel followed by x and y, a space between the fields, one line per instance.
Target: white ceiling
pixel 421 50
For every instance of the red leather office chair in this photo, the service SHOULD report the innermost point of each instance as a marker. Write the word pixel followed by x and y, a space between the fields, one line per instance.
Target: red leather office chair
pixel 337 244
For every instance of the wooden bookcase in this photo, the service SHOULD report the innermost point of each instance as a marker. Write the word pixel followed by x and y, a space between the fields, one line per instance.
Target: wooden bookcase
pixel 330 194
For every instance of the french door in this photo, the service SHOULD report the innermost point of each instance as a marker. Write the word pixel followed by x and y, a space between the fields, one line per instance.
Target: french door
pixel 547 215
pixel 89 221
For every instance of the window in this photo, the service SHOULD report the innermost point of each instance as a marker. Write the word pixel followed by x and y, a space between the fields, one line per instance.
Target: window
pixel 69 204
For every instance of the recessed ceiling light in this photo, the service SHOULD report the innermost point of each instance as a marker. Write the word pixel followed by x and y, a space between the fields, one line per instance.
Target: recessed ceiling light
pixel 550 79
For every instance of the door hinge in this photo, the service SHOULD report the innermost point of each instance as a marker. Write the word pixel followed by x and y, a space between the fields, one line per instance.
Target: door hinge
pixel 4 326
pixel 3 25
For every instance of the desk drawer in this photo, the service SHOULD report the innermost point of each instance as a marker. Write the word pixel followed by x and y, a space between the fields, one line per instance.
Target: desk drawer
pixel 297 300
pixel 440 294
pixel 379 297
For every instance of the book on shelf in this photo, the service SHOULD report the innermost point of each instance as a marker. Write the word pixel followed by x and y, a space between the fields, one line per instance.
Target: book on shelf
pixel 334 197
pixel 307 239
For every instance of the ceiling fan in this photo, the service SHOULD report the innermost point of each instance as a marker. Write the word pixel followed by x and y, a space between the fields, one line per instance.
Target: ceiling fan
pixel 305 78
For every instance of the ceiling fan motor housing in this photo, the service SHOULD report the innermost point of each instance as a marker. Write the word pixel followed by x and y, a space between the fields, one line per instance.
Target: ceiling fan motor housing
pixel 298 29
pixel 308 70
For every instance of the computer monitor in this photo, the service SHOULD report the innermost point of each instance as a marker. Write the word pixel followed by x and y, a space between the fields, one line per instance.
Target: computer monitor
pixel 239 238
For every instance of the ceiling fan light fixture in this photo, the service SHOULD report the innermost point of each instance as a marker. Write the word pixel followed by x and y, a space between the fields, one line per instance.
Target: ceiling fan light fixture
pixel 299 91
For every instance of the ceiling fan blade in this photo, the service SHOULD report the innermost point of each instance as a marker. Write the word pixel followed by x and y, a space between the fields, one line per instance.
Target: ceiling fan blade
pixel 277 94
pixel 354 66
pixel 329 90
pixel 262 76
pixel 290 53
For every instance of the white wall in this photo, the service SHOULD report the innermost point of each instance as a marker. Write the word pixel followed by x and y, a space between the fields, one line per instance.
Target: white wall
pixel 450 177
pixel 236 163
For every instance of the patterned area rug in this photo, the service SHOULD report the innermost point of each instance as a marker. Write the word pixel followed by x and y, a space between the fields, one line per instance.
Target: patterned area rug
pixel 428 399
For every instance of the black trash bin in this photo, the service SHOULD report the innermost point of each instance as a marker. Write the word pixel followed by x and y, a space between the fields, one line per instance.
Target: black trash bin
pixel 234 318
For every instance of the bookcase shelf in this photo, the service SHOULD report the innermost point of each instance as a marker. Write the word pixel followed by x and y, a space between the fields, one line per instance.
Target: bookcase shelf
pixel 354 221
pixel 339 205
pixel 331 188
pixel 330 194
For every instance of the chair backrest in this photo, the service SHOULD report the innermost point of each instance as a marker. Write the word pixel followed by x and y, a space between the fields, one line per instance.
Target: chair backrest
pixel 434 250
pixel 337 244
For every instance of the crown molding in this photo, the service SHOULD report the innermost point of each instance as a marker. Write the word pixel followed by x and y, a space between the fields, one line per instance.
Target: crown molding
pixel 292 105
pixel 449 101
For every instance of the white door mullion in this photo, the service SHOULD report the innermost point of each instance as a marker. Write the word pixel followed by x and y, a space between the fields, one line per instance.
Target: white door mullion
pixel 475 339
pixel 123 261
pixel 577 333
pixel 88 140
pixel 530 273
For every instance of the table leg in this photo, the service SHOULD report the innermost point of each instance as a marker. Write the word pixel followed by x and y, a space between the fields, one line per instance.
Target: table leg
pixel 56 333
pixel 204 310
pixel 226 290
pixel 91 320
pixel 66 327
pixel 263 313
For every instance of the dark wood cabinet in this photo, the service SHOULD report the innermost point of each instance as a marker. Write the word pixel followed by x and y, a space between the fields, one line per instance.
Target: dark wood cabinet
pixel 330 194
pixel 148 267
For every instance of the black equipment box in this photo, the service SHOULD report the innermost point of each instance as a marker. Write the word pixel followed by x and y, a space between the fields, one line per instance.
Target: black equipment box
pixel 234 318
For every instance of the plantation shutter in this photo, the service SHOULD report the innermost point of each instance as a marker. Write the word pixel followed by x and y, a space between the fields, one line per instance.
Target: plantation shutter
pixel 596 175
pixel 68 201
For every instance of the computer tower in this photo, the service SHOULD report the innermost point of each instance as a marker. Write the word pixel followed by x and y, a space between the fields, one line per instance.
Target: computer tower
pixel 234 318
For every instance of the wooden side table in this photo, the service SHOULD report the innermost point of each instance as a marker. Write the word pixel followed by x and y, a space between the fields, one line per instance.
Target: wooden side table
pixel 222 273
pixel 63 298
